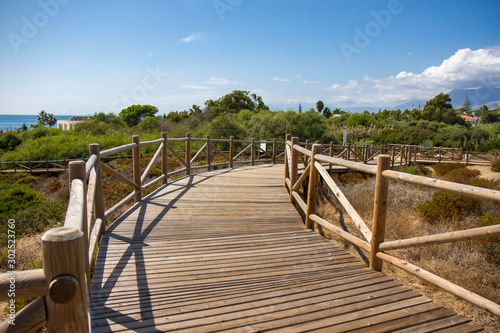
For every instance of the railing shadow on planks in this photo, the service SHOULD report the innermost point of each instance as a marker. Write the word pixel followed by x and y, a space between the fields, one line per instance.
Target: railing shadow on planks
pixel 62 286
pixel 374 244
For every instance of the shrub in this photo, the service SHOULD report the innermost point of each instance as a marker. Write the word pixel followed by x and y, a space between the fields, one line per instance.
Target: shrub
pixel 446 205
pixel 352 177
pixel 487 220
pixel 462 175
pixel 496 166
pixel 442 169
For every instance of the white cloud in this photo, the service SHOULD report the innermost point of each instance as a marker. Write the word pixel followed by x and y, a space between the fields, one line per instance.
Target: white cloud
pixel 193 37
pixel 464 69
pixel 280 79
pixel 193 86
pixel 221 81
pixel 311 82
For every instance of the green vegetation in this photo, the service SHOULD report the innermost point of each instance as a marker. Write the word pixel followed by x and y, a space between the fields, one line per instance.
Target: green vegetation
pixel 245 116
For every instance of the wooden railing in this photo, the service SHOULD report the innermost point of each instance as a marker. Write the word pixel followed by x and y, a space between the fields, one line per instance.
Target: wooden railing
pixel 400 155
pixel 62 286
pixel 373 242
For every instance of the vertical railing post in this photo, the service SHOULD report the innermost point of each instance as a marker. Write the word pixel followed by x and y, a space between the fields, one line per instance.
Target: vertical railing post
pixel 294 166
pixel 209 155
pixel 331 153
pixel 379 211
pixel 393 156
pixel 312 193
pixel 349 152
pixel 253 151
pixel 77 171
pixel 99 196
pixel 231 152
pixel 275 150
pixel 467 156
pixel 187 155
pixel 288 137
pixel 136 156
pixel 63 252
pixel 164 165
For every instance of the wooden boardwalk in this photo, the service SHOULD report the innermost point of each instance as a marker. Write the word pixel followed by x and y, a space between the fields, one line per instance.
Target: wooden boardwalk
pixel 226 251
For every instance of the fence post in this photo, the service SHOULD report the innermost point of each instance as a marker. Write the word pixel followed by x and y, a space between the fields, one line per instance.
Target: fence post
pixel 209 155
pixel 288 137
pixel 467 156
pixel 66 303
pixel 136 156
pixel 231 152
pixel 164 170
pixel 77 171
pixel 188 154
pixel 47 166
pixel 275 150
pixel 312 192
pixel 293 166
pixel 331 153
pixel 349 152
pixel 253 151
pixel 379 211
pixel 439 154
pixel 99 196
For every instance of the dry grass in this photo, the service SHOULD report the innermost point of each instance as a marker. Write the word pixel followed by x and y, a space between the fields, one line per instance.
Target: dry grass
pixel 468 264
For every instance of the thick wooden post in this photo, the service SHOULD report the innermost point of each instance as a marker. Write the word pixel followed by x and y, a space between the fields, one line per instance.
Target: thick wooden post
pixel 349 152
pixel 99 196
pixel 253 151
pixel 188 153
pixel 312 193
pixel 439 154
pixel 294 166
pixel 275 150
pixel 231 152
pixel 467 156
pixel 64 266
pixel 288 137
pixel 393 156
pixel 379 211
pixel 136 156
pixel 164 169
pixel 331 153
pixel 77 171
pixel 209 155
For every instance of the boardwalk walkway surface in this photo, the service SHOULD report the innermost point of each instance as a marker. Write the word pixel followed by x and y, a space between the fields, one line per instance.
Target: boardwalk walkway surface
pixel 226 251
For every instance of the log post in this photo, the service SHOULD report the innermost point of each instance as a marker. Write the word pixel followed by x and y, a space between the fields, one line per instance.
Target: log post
pixel 439 154
pixel 77 171
pixel 99 196
pixel 164 165
pixel 188 154
pixel 209 155
pixel 349 152
pixel 393 155
pixel 136 156
pixel 312 193
pixel 379 211
pixel 231 152
pixel 294 166
pixel 288 137
pixel 331 153
pixel 253 151
pixel 64 266
pixel 467 156
pixel 275 150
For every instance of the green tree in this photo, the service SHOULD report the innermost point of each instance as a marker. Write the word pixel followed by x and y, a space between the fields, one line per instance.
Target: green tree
pixel 319 106
pixel 51 119
pixel 439 109
pixel 42 118
pixel 467 107
pixel 9 141
pixel 327 112
pixel 234 102
pixel 134 114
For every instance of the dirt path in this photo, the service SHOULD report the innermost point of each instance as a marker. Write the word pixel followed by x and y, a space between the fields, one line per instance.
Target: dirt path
pixel 486 172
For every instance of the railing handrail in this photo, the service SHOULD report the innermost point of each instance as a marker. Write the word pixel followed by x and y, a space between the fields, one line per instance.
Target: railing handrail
pixel 377 245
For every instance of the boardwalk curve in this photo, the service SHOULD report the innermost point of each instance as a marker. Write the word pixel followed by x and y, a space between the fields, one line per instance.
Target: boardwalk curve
pixel 226 251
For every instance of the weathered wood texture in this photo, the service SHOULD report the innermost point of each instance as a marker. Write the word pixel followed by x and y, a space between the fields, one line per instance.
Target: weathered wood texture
pixel 226 250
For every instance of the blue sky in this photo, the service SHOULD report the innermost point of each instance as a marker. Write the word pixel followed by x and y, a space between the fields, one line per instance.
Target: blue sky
pixel 102 56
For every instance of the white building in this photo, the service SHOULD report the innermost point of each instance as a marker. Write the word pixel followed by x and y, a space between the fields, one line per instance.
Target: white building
pixel 67 124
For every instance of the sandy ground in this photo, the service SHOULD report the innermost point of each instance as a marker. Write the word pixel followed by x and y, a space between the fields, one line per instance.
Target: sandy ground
pixel 486 172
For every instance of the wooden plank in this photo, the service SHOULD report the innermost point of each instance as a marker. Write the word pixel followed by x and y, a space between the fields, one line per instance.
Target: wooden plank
pixel 226 250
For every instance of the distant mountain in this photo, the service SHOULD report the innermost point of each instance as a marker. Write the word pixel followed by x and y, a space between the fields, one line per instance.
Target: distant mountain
pixel 477 97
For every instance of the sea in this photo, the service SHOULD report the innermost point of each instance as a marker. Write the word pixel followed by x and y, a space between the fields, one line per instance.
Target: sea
pixel 11 122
